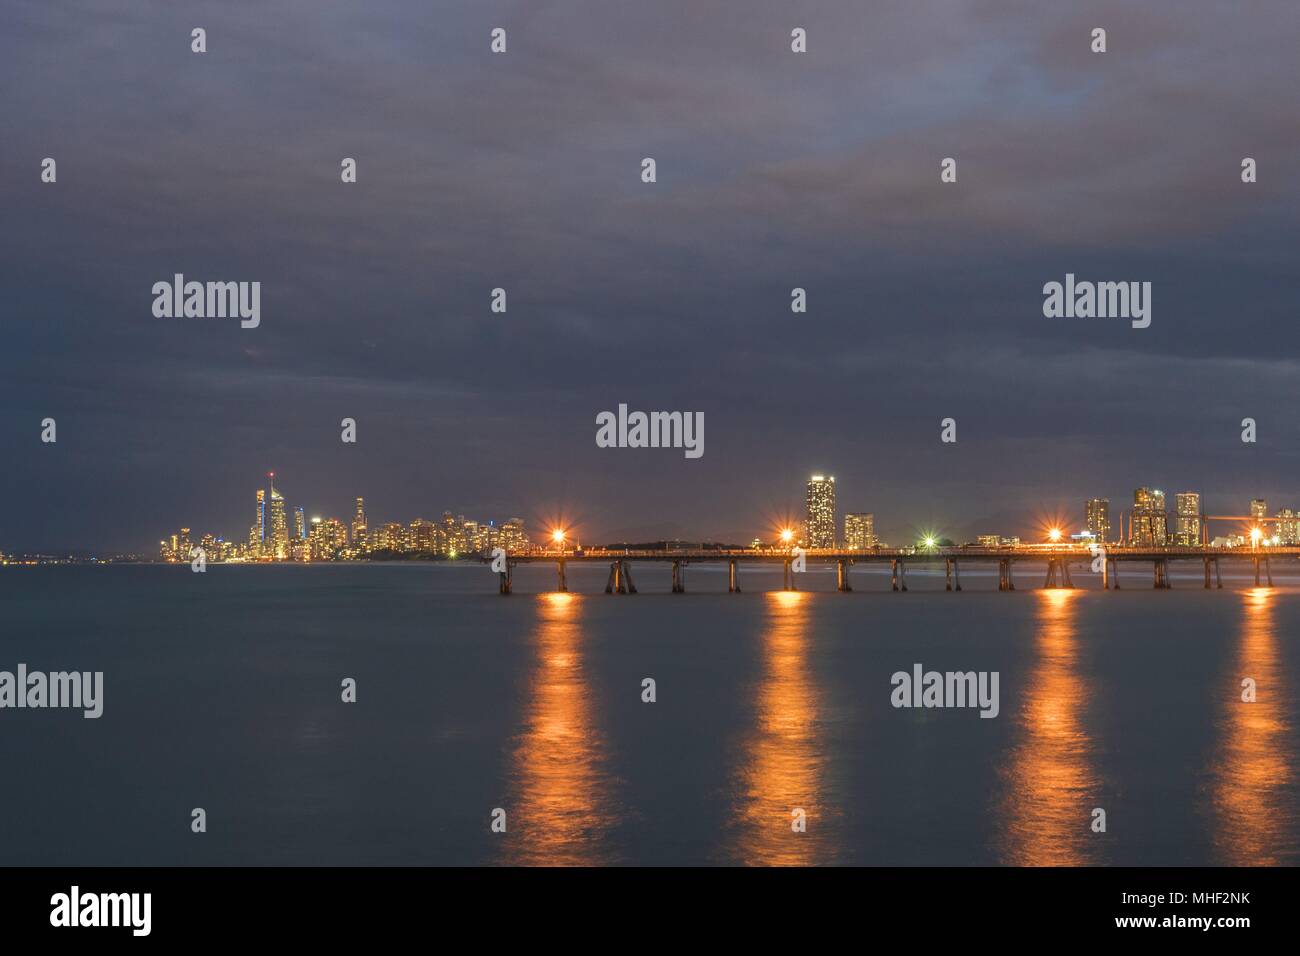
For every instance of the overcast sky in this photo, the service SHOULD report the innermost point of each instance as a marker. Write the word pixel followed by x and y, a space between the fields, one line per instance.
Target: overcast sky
pixel 522 170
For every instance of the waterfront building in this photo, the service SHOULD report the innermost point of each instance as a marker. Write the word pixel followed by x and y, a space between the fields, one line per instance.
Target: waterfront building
pixel 821 512
pixel 1187 512
pixel 1148 522
pixel 422 535
pixel 512 536
pixel 1096 518
pixel 1287 527
pixel 279 526
pixel 859 531
pixel 359 524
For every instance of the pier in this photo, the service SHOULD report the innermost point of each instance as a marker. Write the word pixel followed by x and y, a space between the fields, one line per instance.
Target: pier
pixel 1057 559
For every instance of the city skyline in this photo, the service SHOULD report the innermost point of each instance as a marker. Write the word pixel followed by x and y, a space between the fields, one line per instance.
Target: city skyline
pixel 1030 525
pixel 326 537
pixel 1145 523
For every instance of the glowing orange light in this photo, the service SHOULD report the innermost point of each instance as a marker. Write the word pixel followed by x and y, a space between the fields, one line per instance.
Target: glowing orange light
pixel 557 535
pixel 787 535
pixel 1054 534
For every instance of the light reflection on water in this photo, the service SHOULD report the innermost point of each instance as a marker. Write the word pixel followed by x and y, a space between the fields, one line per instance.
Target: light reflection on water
pixel 563 806
pixel 1127 700
pixel 782 763
pixel 560 810
pixel 1050 779
pixel 1253 819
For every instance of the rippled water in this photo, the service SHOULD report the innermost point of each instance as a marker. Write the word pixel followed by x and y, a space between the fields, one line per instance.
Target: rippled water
pixel 222 691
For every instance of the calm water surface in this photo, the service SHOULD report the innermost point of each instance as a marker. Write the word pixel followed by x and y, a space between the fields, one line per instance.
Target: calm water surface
pixel 222 691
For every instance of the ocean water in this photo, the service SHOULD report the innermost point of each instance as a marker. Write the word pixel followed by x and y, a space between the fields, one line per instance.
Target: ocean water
pixel 223 691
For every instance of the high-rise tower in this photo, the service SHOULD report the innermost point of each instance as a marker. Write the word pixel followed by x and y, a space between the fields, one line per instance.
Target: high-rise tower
pixel 859 531
pixel 359 524
pixel 1148 524
pixel 821 512
pixel 279 527
pixel 1096 514
pixel 1187 521
pixel 257 535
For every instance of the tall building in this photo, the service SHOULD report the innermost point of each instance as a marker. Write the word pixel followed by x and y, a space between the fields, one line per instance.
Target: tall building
pixel 422 536
pixel 453 539
pixel 1096 518
pixel 327 538
pixel 359 524
pixel 279 526
pixel 512 537
pixel 821 512
pixel 300 524
pixel 859 531
pixel 260 526
pixel 1259 516
pixel 390 537
pixel 1288 527
pixel 1187 511
pixel 1148 523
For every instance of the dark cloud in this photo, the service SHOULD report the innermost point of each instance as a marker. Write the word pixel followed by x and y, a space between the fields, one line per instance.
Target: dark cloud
pixel 775 170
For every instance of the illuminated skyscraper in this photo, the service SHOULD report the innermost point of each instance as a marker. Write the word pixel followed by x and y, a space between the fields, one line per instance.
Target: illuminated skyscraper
pixel 1259 516
pixel 1148 523
pixel 453 535
pixel 422 536
pixel 512 536
pixel 300 524
pixel 359 524
pixel 279 527
pixel 1287 527
pixel 1187 511
pixel 390 537
pixel 1096 518
pixel 327 538
pixel 260 526
pixel 475 535
pixel 859 531
pixel 821 512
